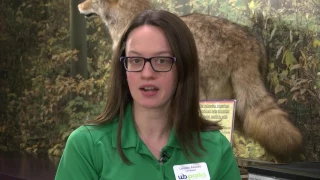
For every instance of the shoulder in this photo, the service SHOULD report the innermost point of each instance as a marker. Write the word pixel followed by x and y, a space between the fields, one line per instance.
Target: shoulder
pixel 90 133
pixel 221 155
pixel 80 159
pixel 214 137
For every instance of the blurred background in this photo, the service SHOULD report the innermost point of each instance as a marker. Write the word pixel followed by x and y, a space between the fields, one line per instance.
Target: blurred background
pixel 45 92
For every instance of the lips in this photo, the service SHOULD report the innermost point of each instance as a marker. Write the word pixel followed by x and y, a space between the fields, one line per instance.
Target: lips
pixel 149 88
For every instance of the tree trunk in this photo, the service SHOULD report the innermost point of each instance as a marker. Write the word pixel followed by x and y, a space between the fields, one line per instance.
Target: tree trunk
pixel 78 40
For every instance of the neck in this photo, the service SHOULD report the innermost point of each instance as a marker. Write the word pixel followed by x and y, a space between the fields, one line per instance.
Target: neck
pixel 153 127
pixel 152 124
pixel 116 30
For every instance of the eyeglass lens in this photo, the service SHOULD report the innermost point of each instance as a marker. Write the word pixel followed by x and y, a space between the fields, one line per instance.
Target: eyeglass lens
pixel 160 64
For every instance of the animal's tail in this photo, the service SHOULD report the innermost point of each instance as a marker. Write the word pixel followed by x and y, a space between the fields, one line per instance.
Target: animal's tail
pixel 263 120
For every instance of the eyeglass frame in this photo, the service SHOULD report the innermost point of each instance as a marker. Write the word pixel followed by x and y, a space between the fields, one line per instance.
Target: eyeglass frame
pixel 122 58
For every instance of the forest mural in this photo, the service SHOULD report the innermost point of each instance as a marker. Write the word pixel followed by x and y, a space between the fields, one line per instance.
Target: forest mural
pixel 42 100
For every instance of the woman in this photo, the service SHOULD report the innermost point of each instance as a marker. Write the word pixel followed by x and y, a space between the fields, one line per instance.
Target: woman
pixel 151 127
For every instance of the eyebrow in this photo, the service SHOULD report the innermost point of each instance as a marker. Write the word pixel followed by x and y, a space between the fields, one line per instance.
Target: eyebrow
pixel 159 53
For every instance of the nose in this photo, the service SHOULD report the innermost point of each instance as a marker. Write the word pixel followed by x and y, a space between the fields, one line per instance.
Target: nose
pixel 147 71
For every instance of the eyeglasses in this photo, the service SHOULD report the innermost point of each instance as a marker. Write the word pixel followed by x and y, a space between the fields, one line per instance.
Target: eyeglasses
pixel 158 64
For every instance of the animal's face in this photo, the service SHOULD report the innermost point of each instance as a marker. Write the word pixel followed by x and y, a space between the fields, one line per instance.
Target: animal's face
pixel 97 7
pixel 116 14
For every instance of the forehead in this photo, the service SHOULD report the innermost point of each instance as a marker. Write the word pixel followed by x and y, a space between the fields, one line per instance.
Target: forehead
pixel 147 39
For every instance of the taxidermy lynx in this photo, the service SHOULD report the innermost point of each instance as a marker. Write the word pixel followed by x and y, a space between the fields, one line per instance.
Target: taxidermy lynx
pixel 232 66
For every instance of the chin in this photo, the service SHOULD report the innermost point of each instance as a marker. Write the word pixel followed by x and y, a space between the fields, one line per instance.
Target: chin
pixel 151 105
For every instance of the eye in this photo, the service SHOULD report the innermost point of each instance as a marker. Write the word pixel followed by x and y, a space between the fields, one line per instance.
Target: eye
pixel 163 60
pixel 135 60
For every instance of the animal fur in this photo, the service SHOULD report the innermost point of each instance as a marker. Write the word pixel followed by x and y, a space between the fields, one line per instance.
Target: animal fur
pixel 232 65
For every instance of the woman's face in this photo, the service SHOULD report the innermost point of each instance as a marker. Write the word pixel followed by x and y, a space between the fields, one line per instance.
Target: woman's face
pixel 148 88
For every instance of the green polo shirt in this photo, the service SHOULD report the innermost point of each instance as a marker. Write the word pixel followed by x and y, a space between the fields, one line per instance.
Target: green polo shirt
pixel 91 154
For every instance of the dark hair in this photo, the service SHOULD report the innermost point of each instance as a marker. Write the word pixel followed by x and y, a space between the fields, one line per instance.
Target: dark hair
pixel 185 114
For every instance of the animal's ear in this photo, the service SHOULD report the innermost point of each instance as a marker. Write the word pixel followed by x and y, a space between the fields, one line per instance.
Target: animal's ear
pixel 84 6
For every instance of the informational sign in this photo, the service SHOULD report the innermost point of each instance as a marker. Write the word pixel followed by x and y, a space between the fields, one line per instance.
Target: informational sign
pixel 222 111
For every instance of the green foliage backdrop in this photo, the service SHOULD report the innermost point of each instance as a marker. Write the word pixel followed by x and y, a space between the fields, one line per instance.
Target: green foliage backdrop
pixel 37 113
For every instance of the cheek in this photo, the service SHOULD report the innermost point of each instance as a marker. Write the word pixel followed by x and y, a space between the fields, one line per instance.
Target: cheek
pixel 129 76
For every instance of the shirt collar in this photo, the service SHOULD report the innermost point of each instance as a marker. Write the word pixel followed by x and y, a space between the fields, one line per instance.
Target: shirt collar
pixel 129 134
